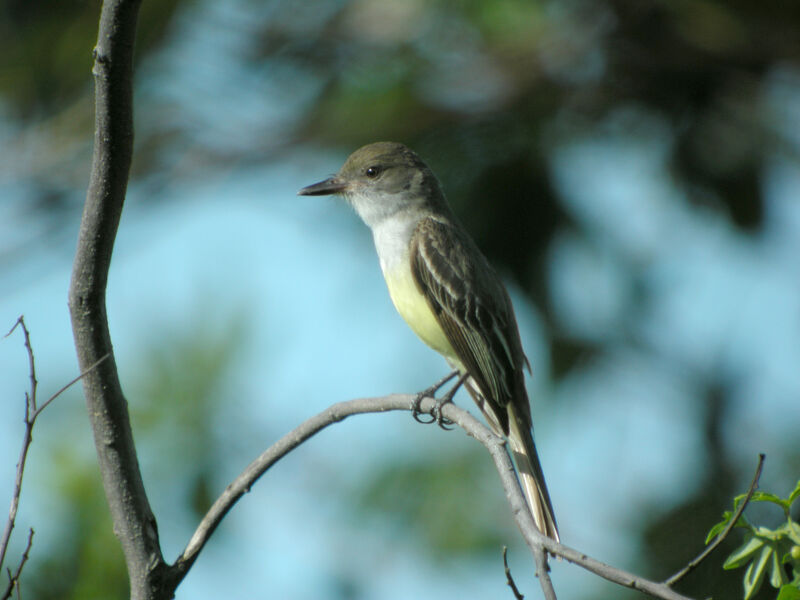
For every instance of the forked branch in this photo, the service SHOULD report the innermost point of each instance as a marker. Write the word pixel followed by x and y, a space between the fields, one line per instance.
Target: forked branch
pixel 32 411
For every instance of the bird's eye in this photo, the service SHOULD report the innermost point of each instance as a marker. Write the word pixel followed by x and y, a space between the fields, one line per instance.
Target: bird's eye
pixel 372 172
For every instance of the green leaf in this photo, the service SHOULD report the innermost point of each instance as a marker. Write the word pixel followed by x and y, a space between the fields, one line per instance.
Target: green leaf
pixel 726 518
pixel 716 530
pixel 767 497
pixel 789 592
pixel 743 554
pixel 770 534
pixel 777 576
pixel 737 500
pixel 793 532
pixel 795 493
pixel 754 576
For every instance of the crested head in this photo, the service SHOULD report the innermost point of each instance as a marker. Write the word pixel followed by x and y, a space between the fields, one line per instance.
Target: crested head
pixel 381 179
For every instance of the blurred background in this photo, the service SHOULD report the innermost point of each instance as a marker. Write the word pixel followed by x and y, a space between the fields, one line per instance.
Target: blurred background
pixel 631 168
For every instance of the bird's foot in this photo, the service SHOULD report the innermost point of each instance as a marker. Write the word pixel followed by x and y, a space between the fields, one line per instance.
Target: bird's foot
pixel 428 393
pixel 436 412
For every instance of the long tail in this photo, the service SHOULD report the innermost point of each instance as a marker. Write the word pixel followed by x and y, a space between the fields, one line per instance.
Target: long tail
pixel 529 469
pixel 530 473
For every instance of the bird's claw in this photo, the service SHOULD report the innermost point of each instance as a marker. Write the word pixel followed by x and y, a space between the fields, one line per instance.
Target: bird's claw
pixel 416 412
pixel 436 412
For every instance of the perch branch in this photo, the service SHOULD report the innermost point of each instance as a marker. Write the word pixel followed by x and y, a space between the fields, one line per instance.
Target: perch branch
pixel 495 445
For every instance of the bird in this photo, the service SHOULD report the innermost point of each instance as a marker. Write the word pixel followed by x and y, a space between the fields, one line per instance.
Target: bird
pixel 448 293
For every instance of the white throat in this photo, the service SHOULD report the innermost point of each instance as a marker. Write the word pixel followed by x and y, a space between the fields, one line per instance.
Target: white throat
pixel 392 220
pixel 392 236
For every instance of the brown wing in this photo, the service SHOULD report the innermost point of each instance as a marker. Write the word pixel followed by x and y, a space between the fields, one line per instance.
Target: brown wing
pixel 473 307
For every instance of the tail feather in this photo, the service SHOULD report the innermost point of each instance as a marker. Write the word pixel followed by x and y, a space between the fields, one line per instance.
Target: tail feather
pixel 523 449
pixel 530 473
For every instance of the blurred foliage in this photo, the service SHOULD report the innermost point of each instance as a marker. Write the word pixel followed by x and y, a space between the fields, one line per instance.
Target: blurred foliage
pixel 174 408
pixel 449 505
pixel 47 46
pixel 179 404
pixel 87 560
pixel 676 537
pixel 46 112
pixel 474 86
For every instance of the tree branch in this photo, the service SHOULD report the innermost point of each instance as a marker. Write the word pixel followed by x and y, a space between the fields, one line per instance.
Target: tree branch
pixel 27 438
pixel 474 428
pixel 333 414
pixel 509 579
pixel 13 578
pixel 133 519
pixel 533 538
pixel 32 412
pixel 543 573
pixel 721 537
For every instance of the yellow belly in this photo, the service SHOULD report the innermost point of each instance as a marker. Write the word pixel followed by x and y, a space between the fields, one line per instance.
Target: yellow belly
pixel 413 307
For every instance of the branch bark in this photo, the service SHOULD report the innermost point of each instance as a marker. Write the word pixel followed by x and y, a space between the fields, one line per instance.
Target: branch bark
pixel 133 519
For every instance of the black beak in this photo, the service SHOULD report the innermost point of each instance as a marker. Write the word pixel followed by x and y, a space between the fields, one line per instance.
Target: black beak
pixel 332 185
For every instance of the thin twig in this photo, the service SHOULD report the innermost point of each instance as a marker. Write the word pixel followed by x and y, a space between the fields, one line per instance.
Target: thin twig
pixel 13 579
pixel 724 534
pixel 509 579
pixel 543 573
pixel 31 398
pixel 30 409
pixel 32 412
pixel 83 374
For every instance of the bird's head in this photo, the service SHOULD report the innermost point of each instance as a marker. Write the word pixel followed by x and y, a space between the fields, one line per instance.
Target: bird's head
pixel 380 179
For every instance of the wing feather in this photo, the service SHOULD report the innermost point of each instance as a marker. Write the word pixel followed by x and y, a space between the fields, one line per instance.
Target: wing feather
pixel 473 308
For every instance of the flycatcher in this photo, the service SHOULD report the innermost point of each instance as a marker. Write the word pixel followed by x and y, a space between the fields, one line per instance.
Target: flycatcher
pixel 448 294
